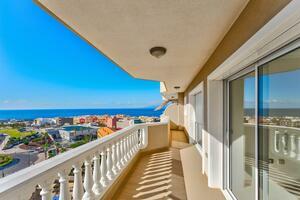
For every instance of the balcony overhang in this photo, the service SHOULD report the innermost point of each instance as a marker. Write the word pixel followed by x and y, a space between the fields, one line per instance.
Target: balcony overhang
pixel 125 31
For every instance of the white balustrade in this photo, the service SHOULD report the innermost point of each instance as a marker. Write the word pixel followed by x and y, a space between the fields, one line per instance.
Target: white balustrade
pixel 103 167
pixel 110 174
pixel 108 155
pixel 292 146
pixel 287 144
pixel 118 156
pixel 114 158
pixel 277 141
pixel 131 144
pixel 97 187
pixel 128 147
pixel 88 180
pixel 122 154
pixel 63 185
pixel 78 187
pixel 46 190
pixel 125 158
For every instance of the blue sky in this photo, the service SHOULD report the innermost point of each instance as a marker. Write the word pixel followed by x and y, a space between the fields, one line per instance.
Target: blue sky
pixel 45 65
pixel 278 90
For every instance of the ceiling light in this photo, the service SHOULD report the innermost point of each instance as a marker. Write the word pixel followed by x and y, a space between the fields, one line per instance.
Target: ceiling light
pixel 176 87
pixel 158 51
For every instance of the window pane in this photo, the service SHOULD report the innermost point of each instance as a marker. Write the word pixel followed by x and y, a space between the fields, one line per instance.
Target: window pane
pixel 279 128
pixel 242 136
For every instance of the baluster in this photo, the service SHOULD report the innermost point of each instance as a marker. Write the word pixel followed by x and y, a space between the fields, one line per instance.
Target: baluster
pixel 130 145
pixel 136 140
pixel 292 146
pixel 142 135
pixel 78 187
pixel 122 154
pixel 97 187
pixel 298 148
pixel 118 156
pixel 124 150
pixel 46 190
pixel 103 168
pixel 139 138
pixel 110 174
pixel 127 148
pixel 285 143
pixel 114 158
pixel 283 146
pixel 88 180
pixel 64 183
pixel 276 141
pixel 133 143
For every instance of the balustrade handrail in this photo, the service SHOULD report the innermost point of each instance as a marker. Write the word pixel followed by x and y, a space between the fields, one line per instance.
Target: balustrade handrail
pixel 35 174
pixel 274 126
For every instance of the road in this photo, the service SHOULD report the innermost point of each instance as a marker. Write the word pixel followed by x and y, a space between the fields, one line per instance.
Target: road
pixel 24 158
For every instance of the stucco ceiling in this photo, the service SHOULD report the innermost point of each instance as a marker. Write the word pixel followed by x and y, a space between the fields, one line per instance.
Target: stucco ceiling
pixel 125 30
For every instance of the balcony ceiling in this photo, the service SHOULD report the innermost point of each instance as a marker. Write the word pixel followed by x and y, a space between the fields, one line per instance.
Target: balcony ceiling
pixel 125 31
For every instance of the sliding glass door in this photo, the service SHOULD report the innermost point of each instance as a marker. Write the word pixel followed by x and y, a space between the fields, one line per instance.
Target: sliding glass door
pixel 242 136
pixel 263 130
pixel 279 128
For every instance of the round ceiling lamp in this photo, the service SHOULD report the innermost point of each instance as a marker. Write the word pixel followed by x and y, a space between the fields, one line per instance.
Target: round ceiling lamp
pixel 158 51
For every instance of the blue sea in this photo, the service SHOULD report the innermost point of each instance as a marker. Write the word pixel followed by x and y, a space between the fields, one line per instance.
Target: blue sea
pixel 33 114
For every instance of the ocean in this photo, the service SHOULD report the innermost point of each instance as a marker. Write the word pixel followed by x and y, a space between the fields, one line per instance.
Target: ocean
pixel 275 112
pixel 33 114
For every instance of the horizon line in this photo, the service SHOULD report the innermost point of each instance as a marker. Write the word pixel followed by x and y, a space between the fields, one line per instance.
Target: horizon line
pixel 15 109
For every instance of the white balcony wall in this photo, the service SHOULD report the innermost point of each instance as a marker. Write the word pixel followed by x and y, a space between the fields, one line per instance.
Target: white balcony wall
pixel 104 160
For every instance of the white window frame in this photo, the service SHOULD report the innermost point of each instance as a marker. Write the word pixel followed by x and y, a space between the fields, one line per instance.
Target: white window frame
pixel 281 30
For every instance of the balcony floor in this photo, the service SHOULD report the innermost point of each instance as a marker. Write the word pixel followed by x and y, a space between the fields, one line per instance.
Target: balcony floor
pixel 158 175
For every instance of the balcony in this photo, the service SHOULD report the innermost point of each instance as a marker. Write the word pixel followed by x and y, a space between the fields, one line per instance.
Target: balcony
pixel 143 161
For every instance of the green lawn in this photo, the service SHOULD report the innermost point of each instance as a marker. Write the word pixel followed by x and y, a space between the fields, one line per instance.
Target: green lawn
pixel 5 159
pixel 16 133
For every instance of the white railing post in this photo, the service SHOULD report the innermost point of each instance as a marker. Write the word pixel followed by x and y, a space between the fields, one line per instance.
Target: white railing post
pixel 97 187
pixel 125 150
pixel 144 137
pixel 114 158
pixel 130 145
pixel 103 167
pixel 284 140
pixel 121 146
pixel 78 187
pixel 110 174
pixel 292 146
pixel 88 181
pixel 46 190
pixel 133 142
pixel 64 185
pixel 276 141
pixel 136 140
pixel 118 155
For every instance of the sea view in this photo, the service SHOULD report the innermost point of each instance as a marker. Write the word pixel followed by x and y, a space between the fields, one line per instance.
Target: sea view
pixel 275 112
pixel 49 113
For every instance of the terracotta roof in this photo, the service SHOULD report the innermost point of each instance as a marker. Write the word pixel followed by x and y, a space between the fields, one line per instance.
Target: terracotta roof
pixel 103 131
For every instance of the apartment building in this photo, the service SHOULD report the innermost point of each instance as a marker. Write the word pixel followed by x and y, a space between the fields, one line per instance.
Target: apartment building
pixel 216 60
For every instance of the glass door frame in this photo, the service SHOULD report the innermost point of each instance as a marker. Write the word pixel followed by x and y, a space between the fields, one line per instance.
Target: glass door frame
pixel 226 143
pixel 226 152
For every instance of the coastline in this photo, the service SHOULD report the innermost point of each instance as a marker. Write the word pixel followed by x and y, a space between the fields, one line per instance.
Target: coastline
pixel 51 113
